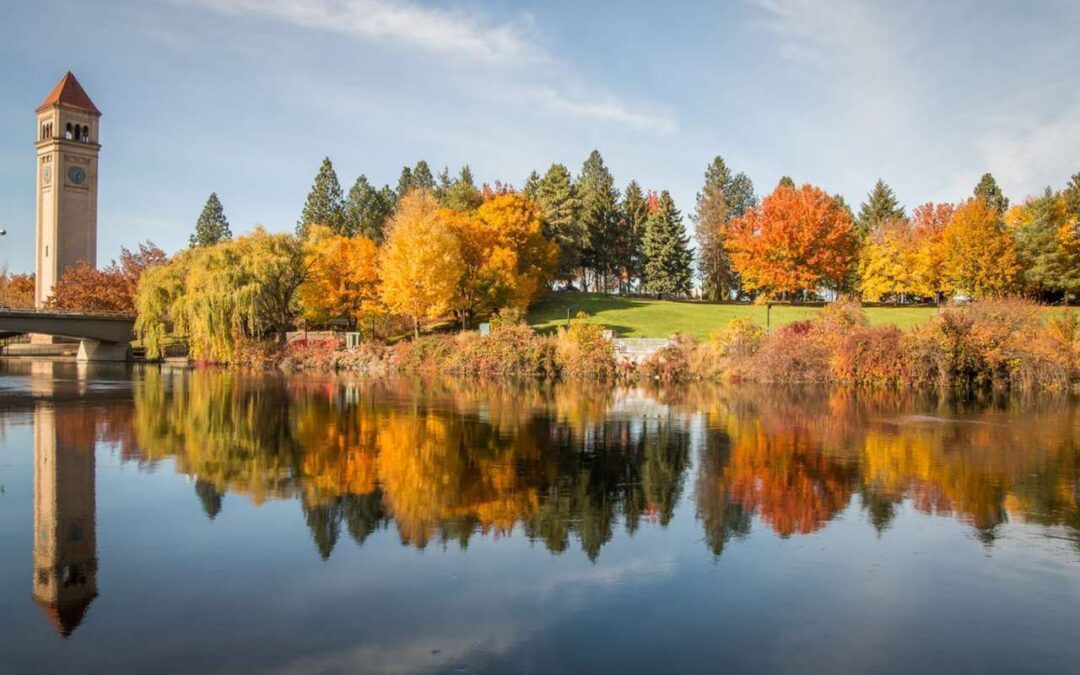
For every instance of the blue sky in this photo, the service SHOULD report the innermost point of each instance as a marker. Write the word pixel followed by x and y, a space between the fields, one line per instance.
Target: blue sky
pixel 245 97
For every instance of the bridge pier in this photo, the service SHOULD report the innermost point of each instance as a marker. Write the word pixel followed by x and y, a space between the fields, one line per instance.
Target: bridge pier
pixel 92 350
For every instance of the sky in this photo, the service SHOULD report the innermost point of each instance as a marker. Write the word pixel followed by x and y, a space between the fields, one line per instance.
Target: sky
pixel 245 98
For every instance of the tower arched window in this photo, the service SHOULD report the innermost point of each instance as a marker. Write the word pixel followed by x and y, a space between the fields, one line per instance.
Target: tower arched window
pixel 44 128
pixel 68 132
pixel 78 131
pixel 86 134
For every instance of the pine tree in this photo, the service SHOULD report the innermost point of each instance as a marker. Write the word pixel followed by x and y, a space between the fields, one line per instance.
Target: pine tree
pixel 635 212
pixel 1071 193
pixel 212 226
pixel 560 206
pixel 880 205
pixel 532 182
pixel 404 183
pixel 988 190
pixel 422 178
pixel 599 219
pixel 324 205
pixel 786 181
pixel 463 195
pixel 367 210
pixel 443 185
pixel 667 257
pixel 723 198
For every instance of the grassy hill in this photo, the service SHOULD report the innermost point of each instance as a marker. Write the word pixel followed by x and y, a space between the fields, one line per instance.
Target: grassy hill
pixel 641 317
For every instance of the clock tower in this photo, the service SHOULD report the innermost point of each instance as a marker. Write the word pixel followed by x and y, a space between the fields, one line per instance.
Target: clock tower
pixel 67 183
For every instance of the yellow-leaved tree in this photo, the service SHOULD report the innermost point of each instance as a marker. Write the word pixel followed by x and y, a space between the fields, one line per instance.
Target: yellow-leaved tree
pixel 887 260
pixel 342 282
pixel 979 256
pixel 506 261
pixel 928 223
pixel 420 266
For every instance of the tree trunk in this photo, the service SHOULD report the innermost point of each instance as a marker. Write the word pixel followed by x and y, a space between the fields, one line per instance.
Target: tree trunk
pixel 416 327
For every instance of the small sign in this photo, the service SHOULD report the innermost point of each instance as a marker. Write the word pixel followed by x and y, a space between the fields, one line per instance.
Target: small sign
pixel 485 329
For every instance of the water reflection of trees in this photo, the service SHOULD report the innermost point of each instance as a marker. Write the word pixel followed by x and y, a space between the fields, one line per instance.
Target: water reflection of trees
pixel 570 464
pixel 796 458
pixel 442 461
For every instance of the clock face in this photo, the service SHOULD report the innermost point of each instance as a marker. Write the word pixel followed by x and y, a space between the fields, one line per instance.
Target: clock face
pixel 46 175
pixel 76 175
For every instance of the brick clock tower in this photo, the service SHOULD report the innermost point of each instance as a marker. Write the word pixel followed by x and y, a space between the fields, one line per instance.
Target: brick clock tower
pixel 67 184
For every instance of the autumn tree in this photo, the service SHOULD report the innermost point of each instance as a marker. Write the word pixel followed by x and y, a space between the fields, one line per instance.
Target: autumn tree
pixel 987 189
pixel 599 218
pixel 723 198
pixel 880 205
pixel 367 210
pixel 111 289
pixel 324 205
pixel 420 265
pixel 212 226
pixel 16 290
pixel 928 223
pixel 887 260
pixel 1071 195
pixel 342 282
pixel 560 206
pixel 668 258
pixel 797 239
pixel 979 256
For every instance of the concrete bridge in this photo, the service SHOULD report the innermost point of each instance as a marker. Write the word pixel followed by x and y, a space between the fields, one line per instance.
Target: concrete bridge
pixel 102 336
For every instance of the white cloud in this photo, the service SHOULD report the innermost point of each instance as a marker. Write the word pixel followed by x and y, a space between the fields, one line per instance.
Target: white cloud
pixel 1026 157
pixel 608 110
pixel 404 22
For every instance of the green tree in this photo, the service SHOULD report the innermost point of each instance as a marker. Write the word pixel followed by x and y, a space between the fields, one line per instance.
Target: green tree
pixel 880 205
pixel 367 210
pixel 1071 194
pixel 988 190
pixel 1044 264
pixel 212 226
pixel 667 255
pixel 599 219
pixel 559 207
pixel 324 205
pixel 532 182
pixel 723 198
pixel 462 193
pixel 635 212
pixel 786 181
pixel 421 176
pixel 405 182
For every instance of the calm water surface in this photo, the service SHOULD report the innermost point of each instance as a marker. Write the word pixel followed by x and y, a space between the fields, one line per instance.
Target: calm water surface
pixel 174 521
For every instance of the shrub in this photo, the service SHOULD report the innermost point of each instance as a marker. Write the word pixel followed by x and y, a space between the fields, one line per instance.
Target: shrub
pixel 512 348
pixel 793 353
pixel 871 356
pixel 582 350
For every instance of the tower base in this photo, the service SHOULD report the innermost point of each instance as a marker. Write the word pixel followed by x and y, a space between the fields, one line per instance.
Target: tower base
pixel 90 350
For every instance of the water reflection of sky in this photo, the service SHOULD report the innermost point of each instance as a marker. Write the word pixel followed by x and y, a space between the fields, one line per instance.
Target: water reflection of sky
pixel 782 532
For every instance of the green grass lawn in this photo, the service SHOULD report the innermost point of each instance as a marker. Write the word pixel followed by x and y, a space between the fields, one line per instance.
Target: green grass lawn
pixel 640 317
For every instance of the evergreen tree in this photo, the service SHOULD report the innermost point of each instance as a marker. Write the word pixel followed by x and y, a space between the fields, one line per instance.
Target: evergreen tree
pixel 324 205
pixel 405 182
pixel 1071 193
pixel 422 178
pixel 212 226
pixel 367 210
pixel 443 185
pixel 462 195
pixel 559 204
pixel 532 182
pixel 786 181
pixel 723 198
pixel 842 203
pixel 324 521
pixel 668 259
pixel 988 190
pixel 880 205
pixel 634 211
pixel 599 219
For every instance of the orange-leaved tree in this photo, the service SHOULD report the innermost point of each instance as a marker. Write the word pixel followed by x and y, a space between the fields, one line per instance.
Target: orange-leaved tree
pixel 16 290
pixel 978 253
pixel 420 265
pixel 342 282
pixel 928 223
pixel 796 239
pixel 112 289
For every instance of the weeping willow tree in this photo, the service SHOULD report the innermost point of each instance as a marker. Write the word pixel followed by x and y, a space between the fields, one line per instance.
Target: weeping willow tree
pixel 219 295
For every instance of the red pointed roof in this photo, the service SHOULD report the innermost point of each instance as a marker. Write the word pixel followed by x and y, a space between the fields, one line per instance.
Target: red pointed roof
pixel 69 92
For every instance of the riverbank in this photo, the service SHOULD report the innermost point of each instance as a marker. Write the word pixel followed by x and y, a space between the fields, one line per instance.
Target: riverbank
pixel 1002 344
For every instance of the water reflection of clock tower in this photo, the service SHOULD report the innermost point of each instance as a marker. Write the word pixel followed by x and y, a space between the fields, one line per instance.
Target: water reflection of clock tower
pixel 67 182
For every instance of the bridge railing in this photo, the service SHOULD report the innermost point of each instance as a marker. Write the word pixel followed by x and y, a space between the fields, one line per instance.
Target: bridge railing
pixel 74 313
